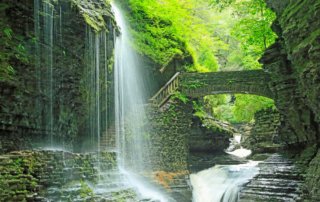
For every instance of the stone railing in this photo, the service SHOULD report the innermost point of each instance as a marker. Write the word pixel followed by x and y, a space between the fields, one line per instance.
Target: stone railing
pixel 166 91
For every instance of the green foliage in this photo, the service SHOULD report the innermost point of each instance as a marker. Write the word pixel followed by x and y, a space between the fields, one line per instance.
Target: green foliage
pixel 199 110
pixel 217 34
pixel 85 190
pixel 246 106
pixel 12 50
pixel 225 34
pixel 238 109
pixel 194 84
pixel 245 26
pixel 178 95
pixel 219 107
pixel 93 13
pixel 7 33
pixel 170 116
pixel 248 30
pixel 67 122
pixel 222 3
pixel 167 29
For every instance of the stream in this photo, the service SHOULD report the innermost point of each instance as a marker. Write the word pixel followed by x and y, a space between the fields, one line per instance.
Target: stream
pixel 222 183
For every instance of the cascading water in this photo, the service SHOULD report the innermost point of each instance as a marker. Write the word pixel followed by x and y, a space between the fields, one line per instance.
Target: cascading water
pixel 129 99
pixel 53 61
pixel 43 13
pixel 222 182
pixel 130 118
pixel 96 81
pixel 241 152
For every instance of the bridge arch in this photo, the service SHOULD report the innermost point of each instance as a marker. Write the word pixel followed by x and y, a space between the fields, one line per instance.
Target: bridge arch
pixel 254 82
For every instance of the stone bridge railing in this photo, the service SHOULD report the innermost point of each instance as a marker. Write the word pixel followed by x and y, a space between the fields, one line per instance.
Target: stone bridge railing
pixel 234 82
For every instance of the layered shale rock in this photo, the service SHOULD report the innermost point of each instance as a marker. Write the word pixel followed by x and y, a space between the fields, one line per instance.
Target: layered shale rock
pixel 278 180
pixel 293 62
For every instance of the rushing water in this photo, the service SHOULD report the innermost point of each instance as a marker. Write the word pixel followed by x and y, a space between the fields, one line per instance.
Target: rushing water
pixel 130 117
pixel 129 99
pixel 222 182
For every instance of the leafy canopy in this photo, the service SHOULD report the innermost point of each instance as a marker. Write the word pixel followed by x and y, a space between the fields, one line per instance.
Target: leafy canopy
pixel 169 29
pixel 223 35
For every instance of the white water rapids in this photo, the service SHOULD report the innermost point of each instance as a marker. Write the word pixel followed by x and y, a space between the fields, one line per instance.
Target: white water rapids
pixel 222 183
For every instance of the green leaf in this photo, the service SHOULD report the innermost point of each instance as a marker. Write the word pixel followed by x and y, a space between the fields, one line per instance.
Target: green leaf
pixel 8 32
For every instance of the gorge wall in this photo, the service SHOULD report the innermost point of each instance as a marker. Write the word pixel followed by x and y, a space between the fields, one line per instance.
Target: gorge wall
pixel 293 63
pixel 264 133
pixel 61 55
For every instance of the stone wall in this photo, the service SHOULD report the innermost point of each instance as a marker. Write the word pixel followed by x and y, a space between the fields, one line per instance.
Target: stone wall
pixel 34 175
pixel 264 133
pixel 293 63
pixel 169 129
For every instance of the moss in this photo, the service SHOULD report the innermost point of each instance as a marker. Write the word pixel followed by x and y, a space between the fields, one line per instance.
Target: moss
pixel 85 190
pixel 123 196
pixel 94 14
pixel 293 9
pixel 308 41
pixel 12 51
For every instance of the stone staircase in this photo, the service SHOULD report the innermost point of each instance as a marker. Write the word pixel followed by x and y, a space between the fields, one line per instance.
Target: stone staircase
pixel 278 180
pixel 162 96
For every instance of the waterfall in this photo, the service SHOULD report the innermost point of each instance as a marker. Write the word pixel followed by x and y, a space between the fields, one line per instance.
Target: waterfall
pixel 56 70
pixel 96 84
pixel 44 15
pixel 222 182
pixel 240 152
pixel 132 140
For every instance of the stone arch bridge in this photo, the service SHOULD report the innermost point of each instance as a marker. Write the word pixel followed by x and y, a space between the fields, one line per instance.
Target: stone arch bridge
pixel 201 84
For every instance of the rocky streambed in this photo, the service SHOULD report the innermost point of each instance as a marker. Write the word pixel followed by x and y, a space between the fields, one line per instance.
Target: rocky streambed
pixel 278 180
pixel 228 178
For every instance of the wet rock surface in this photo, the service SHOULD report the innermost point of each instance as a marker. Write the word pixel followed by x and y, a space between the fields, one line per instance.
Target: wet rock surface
pixel 207 136
pixel 278 180
pixel 293 64
pixel 264 134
